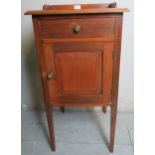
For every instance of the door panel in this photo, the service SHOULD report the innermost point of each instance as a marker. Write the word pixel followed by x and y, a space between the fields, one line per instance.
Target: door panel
pixel 79 72
pixel 82 72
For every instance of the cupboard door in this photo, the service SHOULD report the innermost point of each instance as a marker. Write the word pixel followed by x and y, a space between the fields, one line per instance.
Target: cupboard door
pixel 78 71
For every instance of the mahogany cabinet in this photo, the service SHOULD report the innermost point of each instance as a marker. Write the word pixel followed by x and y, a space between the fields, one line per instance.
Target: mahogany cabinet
pixel 78 50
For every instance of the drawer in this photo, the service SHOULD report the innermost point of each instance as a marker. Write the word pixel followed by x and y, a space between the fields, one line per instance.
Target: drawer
pixel 78 27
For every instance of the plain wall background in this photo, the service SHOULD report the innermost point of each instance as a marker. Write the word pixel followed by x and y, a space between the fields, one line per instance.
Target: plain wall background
pixel 31 84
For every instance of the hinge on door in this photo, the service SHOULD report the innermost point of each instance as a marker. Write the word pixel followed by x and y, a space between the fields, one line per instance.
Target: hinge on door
pixel 113 55
pixel 111 93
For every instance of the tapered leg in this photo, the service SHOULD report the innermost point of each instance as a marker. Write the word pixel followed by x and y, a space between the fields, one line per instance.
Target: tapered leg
pixel 115 82
pixel 49 114
pixel 113 126
pixel 104 109
pixel 62 109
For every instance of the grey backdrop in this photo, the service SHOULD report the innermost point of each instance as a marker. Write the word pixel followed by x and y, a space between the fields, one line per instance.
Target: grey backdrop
pixel 31 84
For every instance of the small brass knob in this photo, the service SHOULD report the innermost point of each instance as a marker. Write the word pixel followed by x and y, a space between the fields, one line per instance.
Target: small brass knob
pixel 77 29
pixel 49 75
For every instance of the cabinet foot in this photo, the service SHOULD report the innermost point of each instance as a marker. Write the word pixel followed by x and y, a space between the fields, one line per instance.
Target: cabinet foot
pixel 49 115
pixel 113 127
pixel 104 109
pixel 62 109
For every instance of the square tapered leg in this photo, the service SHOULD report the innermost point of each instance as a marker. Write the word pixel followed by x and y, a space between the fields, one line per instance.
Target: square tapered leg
pixel 62 109
pixel 49 115
pixel 104 109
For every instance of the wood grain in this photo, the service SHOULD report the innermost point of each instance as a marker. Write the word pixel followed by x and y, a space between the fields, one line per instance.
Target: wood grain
pixel 84 65
pixel 64 28
pixel 83 73
pixel 115 82
pixel 82 6
pixel 85 11
pixel 41 61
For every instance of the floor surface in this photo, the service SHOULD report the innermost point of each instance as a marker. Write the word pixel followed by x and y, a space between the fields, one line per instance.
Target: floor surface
pixel 76 133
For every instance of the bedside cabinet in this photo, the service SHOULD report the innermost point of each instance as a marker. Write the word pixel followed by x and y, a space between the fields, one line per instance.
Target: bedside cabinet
pixel 78 50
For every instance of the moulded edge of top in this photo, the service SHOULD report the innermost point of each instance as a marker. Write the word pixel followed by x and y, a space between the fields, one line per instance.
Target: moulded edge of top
pixel 84 11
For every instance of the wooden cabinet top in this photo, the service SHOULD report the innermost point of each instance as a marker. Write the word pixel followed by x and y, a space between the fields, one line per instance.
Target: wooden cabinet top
pixel 77 9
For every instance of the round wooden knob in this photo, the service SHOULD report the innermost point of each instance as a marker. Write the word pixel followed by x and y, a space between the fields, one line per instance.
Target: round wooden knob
pixel 77 29
pixel 49 75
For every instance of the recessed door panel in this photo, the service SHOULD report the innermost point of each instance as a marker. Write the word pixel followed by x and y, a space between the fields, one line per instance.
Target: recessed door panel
pixel 79 72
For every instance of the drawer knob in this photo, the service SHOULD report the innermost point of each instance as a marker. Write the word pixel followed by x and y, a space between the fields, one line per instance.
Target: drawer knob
pixel 49 75
pixel 77 29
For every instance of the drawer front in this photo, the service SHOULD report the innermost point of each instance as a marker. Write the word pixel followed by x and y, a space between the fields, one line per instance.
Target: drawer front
pixel 96 26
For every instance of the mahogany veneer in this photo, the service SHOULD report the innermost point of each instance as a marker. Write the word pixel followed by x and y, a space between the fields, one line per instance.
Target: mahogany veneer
pixel 78 49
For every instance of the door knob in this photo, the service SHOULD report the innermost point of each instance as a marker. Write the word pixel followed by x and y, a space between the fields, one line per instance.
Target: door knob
pixel 50 75
pixel 77 29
